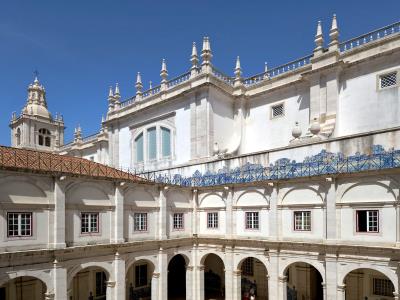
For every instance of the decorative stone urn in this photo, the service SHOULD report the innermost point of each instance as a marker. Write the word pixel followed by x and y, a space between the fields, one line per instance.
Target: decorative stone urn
pixel 296 131
pixel 315 127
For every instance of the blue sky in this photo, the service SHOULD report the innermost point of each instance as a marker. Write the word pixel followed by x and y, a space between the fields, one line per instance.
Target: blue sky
pixel 80 48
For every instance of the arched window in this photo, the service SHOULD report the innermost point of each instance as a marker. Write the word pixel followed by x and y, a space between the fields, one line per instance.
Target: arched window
pixel 152 143
pixel 18 136
pixel 165 142
pixel 44 137
pixel 139 148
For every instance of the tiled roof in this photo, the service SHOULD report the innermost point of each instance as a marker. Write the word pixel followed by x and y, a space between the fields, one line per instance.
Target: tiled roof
pixel 42 162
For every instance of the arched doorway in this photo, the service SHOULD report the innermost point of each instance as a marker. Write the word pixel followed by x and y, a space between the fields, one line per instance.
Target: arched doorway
pixel 91 281
pixel 138 280
pixel 303 281
pixel 253 279
pixel 368 284
pixel 177 278
pixel 23 288
pixel 214 277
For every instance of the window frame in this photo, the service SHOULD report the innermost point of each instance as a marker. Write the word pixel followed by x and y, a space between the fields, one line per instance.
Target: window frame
pixel 90 213
pixel 379 80
pixel 367 211
pixel 182 221
pixel 144 131
pixel 386 280
pixel 44 137
pixel 19 224
pixel 253 221
pixel 146 227
pixel 272 117
pixel 303 225
pixel 215 220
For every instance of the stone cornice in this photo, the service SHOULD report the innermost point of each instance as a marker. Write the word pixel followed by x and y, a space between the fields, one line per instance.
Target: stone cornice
pixel 329 249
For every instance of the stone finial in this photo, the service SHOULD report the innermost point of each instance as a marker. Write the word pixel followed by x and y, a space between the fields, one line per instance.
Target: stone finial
pixel 116 92
pixel 78 134
pixel 315 127
pixel 117 96
pixel 139 85
pixel 110 93
pixel 319 40
pixel 164 72
pixel 194 59
pixel 206 54
pixel 266 75
pixel 111 99
pixel 334 33
pixel 238 69
pixel 150 84
pixel 296 131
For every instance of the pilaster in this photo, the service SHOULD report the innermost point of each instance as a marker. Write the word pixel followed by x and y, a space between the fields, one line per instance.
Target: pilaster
pixel 155 285
pixel 59 214
pixel 118 236
pixel 229 294
pixel 330 209
pixel 273 283
pixel 119 275
pixel 162 217
pixel 163 271
pixel 59 275
pixel 237 285
pixel 229 212
pixel 282 288
pixel 330 277
pixel 195 196
pixel 272 217
pixel 189 282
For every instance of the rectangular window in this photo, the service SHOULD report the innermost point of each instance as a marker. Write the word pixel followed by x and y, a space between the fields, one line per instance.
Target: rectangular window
pixel 277 111
pixel 383 287
pixel 152 142
pixel 140 275
pixel 139 148
pixel 252 221
pixel 19 224
pixel 165 142
pixel 212 220
pixel 302 220
pixel 367 220
pixel 101 284
pixel 388 80
pixel 178 221
pixel 89 222
pixel 140 220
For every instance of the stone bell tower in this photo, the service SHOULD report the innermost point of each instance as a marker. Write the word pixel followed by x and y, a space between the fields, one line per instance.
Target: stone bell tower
pixel 35 128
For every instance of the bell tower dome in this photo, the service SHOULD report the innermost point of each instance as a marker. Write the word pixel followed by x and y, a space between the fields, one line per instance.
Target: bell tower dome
pixel 35 128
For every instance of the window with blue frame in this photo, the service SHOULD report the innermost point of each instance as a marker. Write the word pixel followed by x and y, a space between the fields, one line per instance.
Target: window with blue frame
pixel 152 143
pixel 139 148
pixel 165 142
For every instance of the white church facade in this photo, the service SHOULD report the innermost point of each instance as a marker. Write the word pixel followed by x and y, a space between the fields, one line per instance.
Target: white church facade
pixel 282 185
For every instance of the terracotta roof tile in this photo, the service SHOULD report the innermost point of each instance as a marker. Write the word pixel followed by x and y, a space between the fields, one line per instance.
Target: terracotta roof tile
pixel 44 162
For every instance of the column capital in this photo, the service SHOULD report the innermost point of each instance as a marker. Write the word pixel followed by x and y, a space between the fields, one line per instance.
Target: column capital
pixel 237 273
pixel 156 275
pixel 111 284
pixel 282 279
pixel 200 268
pixel 189 268
pixel 48 296
pixel 341 287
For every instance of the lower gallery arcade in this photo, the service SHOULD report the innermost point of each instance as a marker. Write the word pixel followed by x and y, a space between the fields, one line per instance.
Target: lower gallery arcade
pixel 203 272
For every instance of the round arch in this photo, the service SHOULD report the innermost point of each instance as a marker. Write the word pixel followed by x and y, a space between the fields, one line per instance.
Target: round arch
pixel 106 267
pixel 40 275
pixel 203 258
pixel 185 256
pixel 261 199
pixel 317 265
pixel 309 192
pixel 381 269
pixel 131 261
pixel 26 287
pixel 258 257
